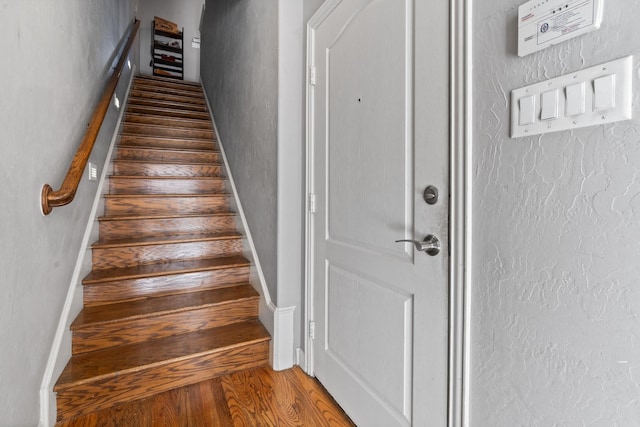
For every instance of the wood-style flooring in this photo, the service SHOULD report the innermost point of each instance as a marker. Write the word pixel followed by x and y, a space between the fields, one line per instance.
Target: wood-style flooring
pixel 256 397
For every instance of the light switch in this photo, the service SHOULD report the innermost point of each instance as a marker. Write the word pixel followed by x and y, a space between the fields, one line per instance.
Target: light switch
pixel 575 99
pixel 527 110
pixel 604 93
pixel 549 105
pixel 593 96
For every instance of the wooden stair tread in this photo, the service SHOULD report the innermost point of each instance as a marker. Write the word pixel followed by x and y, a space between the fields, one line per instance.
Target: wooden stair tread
pixel 143 217
pixel 183 99
pixel 152 102
pixel 168 138
pixel 112 362
pixel 166 162
pixel 180 91
pixel 161 305
pixel 168 81
pixel 160 240
pixel 165 269
pixel 161 111
pixel 164 127
pixel 163 196
pixel 132 115
pixel 168 178
pixel 165 149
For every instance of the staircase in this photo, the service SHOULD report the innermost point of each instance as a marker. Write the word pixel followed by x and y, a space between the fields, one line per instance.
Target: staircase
pixel 167 303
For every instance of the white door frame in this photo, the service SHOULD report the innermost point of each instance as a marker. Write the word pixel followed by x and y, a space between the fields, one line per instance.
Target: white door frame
pixel 460 206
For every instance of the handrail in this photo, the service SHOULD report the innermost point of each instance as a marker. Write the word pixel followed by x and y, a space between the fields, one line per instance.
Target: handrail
pixel 66 193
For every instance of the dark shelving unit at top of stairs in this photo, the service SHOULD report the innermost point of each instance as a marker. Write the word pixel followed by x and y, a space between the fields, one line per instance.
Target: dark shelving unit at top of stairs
pixel 167 53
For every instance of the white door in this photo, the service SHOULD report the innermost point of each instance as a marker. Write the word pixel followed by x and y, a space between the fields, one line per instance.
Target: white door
pixel 378 136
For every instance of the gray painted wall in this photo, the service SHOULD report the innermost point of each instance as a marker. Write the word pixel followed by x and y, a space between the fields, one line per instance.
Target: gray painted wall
pixel 556 271
pixel 185 13
pixel 239 70
pixel 59 57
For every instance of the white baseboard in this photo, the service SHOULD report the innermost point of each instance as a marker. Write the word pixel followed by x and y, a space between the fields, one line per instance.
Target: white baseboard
pixel 61 347
pixel 282 348
pixel 278 321
pixel 301 359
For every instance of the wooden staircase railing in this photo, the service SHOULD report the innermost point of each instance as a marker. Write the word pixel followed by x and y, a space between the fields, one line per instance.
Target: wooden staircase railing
pixel 66 193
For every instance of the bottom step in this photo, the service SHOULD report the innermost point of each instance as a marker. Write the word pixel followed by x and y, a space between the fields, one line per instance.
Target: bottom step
pixel 97 380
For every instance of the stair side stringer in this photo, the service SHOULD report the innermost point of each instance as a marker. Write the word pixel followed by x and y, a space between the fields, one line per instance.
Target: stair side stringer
pixel 279 321
pixel 60 353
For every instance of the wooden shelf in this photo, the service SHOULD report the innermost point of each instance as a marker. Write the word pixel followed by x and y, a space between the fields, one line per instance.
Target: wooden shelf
pixel 163 43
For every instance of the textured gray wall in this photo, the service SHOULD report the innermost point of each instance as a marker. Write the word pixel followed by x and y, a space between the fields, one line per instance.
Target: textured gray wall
pixel 239 70
pixel 556 271
pixel 58 60
pixel 185 13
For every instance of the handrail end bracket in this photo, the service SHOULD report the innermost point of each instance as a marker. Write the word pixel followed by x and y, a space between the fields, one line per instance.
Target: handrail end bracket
pixel 46 207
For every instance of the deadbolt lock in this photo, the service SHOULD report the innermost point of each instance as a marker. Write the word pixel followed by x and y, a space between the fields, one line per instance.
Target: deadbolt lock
pixel 430 195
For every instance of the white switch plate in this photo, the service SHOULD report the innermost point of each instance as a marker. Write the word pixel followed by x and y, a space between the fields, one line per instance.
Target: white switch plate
pixel 621 68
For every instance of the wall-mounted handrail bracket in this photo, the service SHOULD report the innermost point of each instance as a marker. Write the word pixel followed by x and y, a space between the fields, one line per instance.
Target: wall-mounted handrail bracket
pixel 51 199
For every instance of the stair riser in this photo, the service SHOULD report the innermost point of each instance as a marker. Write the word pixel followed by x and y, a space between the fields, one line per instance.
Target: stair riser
pixel 171 91
pixel 173 132
pixel 166 97
pixel 165 186
pixel 133 289
pixel 148 102
pixel 133 255
pixel 168 112
pixel 165 227
pixel 171 143
pixel 167 121
pixel 92 396
pixel 139 330
pixel 166 206
pixel 151 155
pixel 167 169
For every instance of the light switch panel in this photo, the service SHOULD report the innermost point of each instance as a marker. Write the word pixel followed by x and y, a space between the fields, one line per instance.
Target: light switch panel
pixel 593 96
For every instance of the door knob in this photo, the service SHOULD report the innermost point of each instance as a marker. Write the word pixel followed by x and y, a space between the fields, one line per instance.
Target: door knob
pixel 430 245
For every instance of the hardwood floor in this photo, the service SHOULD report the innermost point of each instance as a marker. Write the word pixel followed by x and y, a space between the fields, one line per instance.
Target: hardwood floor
pixel 256 397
